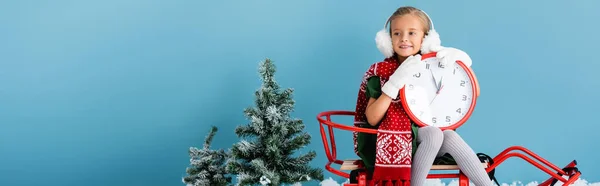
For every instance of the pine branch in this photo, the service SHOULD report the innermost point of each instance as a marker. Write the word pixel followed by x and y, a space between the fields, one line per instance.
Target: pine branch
pixel 286 101
pixel 210 136
pixel 296 142
pixel 301 160
pixel 248 179
pixel 246 131
pixel 267 72
pixel 295 127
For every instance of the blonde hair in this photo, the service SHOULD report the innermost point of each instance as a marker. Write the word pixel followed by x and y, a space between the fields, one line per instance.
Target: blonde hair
pixel 409 10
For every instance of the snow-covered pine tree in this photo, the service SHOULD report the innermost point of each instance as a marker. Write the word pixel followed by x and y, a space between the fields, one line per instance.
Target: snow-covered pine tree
pixel 267 156
pixel 208 167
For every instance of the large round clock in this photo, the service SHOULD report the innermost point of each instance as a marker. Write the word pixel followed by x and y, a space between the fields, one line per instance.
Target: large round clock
pixel 439 95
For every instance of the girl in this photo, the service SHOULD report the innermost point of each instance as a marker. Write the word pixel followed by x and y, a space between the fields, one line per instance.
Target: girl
pixel 389 154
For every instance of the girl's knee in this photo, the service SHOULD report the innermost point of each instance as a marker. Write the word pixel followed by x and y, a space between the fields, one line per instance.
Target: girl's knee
pixel 450 133
pixel 452 137
pixel 430 133
pixel 429 129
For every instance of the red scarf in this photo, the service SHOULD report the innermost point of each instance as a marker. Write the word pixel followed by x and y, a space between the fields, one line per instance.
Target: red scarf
pixel 394 137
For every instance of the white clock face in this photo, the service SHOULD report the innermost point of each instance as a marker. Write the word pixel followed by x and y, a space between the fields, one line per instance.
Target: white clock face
pixel 439 95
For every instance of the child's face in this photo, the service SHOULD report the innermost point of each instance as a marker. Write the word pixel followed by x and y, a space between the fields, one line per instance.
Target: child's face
pixel 407 35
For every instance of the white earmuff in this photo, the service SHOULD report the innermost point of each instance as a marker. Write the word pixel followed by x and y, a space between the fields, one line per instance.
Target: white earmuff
pixel 384 41
pixel 431 42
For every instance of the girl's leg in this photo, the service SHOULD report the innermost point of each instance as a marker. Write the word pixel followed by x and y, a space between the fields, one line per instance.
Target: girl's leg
pixel 465 157
pixel 430 140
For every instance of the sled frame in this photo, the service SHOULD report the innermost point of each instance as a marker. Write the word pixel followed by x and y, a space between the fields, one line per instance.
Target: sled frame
pixel 324 118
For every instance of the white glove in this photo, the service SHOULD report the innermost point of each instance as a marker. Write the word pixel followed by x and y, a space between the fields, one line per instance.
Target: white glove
pixel 403 73
pixel 450 55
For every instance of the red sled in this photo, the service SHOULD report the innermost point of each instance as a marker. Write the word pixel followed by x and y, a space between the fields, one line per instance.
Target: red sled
pixel 345 166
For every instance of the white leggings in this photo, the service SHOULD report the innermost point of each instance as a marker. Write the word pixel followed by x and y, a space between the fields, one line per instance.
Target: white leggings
pixel 434 143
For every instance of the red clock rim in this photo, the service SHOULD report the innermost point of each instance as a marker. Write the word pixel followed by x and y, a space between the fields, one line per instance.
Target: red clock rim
pixel 460 122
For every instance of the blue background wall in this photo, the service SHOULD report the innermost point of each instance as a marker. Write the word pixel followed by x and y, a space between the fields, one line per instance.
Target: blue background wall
pixel 114 92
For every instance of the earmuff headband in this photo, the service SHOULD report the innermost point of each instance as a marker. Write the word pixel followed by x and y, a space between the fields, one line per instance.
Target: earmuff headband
pixel 430 21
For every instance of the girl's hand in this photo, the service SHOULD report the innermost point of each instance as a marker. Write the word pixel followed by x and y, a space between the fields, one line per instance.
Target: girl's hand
pixel 450 55
pixel 432 43
pixel 398 79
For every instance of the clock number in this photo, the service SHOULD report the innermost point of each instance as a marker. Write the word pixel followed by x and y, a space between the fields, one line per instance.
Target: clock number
pixel 462 83
pixel 454 72
pixel 440 65
pixel 410 87
pixel 458 110
pixel 434 120
pixel 417 75
pixel 412 101
pixel 447 118
pixel 426 66
pixel 464 97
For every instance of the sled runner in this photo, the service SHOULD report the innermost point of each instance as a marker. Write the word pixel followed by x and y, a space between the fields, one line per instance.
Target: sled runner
pixel 352 168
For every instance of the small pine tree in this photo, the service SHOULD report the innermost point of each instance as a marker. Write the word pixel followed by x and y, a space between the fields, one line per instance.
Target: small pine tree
pixel 207 166
pixel 266 158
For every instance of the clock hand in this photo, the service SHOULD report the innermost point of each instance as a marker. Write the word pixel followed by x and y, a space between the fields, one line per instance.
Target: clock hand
pixel 438 91
pixel 433 99
pixel 434 81
pixel 441 85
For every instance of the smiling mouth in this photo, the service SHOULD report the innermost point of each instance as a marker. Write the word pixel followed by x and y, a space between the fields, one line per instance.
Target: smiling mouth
pixel 405 46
